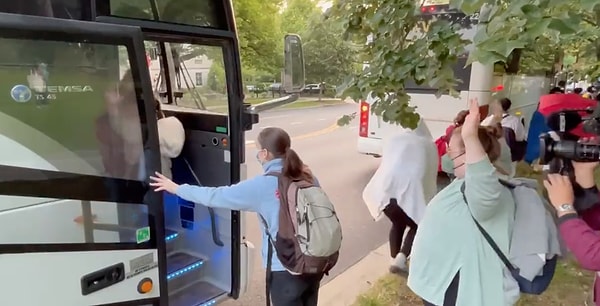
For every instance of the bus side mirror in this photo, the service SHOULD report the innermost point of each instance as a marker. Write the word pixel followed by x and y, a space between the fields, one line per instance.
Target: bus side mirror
pixel 293 72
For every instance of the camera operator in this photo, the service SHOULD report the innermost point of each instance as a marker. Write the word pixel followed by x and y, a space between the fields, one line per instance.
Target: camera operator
pixel 578 212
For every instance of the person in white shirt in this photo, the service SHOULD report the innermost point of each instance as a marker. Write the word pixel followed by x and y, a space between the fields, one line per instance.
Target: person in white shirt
pixel 515 134
pixel 509 121
pixel 171 137
pixel 402 186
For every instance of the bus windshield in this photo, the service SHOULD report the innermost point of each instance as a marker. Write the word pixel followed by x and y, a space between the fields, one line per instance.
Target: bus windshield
pixel 439 9
pixel 204 13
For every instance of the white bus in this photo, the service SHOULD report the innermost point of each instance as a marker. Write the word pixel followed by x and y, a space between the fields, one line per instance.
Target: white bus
pixel 79 223
pixel 478 80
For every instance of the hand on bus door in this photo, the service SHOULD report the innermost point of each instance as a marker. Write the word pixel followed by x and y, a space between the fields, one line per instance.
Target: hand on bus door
pixel 161 182
pixel 36 81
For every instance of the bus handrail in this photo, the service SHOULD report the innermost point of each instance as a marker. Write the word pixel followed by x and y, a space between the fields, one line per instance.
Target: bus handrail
pixel 267 105
pixel 213 219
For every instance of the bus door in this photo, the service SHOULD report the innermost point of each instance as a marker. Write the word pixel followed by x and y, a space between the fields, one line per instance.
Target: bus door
pixel 194 62
pixel 79 224
pixel 193 73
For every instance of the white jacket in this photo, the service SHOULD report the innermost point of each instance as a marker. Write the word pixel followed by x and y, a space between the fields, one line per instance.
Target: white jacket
pixel 171 136
pixel 407 173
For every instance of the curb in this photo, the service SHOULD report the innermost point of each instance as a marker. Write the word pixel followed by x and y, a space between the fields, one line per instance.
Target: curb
pixel 282 109
pixel 345 288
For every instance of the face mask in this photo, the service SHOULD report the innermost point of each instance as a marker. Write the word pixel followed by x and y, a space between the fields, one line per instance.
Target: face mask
pixel 258 158
pixel 448 163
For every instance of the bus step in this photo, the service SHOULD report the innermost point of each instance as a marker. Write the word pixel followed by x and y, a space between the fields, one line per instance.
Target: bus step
pixel 198 294
pixel 171 235
pixel 180 263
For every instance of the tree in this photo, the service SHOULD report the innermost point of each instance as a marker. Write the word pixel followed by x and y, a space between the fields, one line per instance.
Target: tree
pixel 397 54
pixel 328 57
pixel 259 34
pixel 297 15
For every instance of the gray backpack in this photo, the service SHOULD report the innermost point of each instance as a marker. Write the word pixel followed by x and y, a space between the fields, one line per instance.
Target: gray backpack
pixel 310 234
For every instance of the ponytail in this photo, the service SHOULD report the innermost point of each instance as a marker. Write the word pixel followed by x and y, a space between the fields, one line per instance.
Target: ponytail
pixel 293 167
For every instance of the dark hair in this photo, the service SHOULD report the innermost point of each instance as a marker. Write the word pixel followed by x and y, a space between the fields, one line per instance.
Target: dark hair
pixel 578 90
pixel 488 137
pixel 459 120
pixel 562 83
pixel 277 142
pixel 157 109
pixel 506 104
pixel 556 90
pixel 590 89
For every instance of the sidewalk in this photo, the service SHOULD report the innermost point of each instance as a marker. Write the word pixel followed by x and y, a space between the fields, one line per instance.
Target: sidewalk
pixel 344 289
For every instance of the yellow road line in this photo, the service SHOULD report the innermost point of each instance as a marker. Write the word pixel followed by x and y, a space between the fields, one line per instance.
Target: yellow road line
pixel 326 130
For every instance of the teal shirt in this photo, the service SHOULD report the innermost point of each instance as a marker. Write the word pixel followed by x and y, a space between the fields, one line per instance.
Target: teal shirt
pixel 505 159
pixel 448 241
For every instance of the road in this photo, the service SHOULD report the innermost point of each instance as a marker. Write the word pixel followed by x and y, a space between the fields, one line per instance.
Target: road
pixel 331 154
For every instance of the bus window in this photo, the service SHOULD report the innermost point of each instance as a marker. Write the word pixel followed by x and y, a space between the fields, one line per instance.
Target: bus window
pixel 64 104
pixel 199 80
pixel 65 110
pixel 67 9
pixel 204 13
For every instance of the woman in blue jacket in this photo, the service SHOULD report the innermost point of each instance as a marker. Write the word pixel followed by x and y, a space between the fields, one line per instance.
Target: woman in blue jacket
pixel 260 194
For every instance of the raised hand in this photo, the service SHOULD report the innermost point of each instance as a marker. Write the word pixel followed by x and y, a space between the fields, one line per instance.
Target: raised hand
pixel 471 125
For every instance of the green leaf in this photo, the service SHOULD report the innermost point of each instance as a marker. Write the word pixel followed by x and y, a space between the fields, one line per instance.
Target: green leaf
pixel 470 7
pixel 346 119
pixel 538 28
pixel 532 11
pixel 561 26
pixel 588 5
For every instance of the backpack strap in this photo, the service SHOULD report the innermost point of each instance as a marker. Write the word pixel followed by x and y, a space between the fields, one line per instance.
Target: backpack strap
pixel 487 236
pixel 268 272
pixel 505 183
pixel 282 189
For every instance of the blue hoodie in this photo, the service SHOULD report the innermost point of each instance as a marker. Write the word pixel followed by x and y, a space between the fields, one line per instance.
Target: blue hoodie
pixel 258 194
pixel 537 126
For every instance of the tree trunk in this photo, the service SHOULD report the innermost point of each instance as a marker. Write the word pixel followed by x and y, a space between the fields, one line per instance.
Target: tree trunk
pixel 597 11
pixel 558 61
pixel 320 91
pixel 512 66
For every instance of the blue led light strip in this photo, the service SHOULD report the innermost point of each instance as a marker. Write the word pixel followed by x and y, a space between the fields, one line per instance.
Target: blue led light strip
pixel 213 302
pixel 185 270
pixel 171 237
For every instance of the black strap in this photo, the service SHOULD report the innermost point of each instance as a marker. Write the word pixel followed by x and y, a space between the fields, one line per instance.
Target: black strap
pixel 487 236
pixel 268 275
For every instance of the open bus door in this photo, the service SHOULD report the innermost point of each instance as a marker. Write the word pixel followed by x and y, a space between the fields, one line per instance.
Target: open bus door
pixel 79 138
pixel 78 223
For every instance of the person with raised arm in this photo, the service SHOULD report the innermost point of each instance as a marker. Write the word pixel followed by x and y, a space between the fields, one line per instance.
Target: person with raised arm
pixel 451 262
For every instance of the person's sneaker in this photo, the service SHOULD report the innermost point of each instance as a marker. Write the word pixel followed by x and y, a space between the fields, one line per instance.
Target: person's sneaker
pixel 399 265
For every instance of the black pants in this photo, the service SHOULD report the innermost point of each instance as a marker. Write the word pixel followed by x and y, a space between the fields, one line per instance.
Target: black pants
pixel 400 220
pixel 450 295
pixel 294 290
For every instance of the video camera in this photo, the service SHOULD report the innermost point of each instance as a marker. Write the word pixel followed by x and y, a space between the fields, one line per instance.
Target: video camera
pixel 570 117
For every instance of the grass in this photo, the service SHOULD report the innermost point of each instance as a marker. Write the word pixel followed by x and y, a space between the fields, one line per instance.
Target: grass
pixel 312 103
pixel 219 104
pixel 570 285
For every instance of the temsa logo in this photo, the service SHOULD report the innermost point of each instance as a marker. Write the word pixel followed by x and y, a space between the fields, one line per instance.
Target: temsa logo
pixel 64 88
